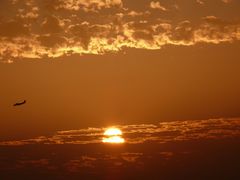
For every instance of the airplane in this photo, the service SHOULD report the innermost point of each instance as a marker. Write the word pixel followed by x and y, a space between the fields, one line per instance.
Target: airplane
pixel 21 103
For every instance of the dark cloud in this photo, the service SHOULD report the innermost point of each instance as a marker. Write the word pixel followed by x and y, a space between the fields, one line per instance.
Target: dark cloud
pixel 13 29
pixel 51 41
pixel 183 32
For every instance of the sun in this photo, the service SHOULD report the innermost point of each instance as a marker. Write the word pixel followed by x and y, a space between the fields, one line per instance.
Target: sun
pixel 113 135
pixel 114 139
pixel 113 132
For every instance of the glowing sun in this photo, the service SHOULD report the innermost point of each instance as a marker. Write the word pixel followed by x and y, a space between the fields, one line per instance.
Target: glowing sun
pixel 113 132
pixel 113 135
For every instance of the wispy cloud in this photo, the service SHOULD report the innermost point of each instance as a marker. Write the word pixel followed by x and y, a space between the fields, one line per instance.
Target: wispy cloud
pixel 227 1
pixel 200 2
pixel 160 133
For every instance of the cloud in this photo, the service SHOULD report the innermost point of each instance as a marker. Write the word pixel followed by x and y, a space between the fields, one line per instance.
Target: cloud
pixel 200 2
pixel 157 5
pixel 135 13
pixel 11 29
pixel 203 2
pixel 77 164
pixel 34 163
pixel 131 157
pixel 29 13
pixel 98 159
pixel 51 25
pixel 51 29
pixel 215 30
pixel 87 5
pixel 227 1
pixel 159 133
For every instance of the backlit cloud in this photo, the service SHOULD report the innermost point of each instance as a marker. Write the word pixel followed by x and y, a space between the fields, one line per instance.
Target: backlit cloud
pixel 51 29
pixel 157 5
pixel 134 134
pixel 87 5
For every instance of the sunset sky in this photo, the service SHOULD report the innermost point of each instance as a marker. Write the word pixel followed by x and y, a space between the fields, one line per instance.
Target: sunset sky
pixel 84 65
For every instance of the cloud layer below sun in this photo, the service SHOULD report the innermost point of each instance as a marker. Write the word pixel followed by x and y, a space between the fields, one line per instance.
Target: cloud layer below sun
pixel 43 28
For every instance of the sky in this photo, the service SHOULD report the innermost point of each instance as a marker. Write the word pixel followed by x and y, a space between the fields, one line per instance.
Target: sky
pixel 165 72
pixel 96 63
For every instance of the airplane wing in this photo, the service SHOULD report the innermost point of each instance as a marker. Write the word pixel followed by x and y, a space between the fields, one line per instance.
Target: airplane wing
pixel 21 103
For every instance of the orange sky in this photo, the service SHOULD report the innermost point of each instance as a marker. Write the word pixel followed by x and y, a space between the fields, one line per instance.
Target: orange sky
pixel 95 63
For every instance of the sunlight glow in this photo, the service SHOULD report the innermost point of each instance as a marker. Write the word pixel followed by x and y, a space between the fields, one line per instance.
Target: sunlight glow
pixel 113 135
pixel 113 132
pixel 113 139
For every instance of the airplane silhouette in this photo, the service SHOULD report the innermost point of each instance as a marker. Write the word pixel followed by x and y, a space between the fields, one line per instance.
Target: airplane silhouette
pixel 21 103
